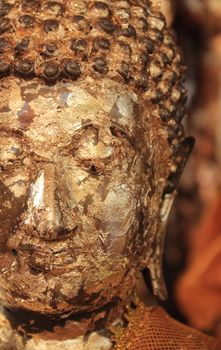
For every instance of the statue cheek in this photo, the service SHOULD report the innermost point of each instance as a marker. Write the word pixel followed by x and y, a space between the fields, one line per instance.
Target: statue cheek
pixel 11 208
pixel 119 218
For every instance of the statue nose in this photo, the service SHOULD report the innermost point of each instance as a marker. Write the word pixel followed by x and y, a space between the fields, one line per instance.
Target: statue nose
pixel 46 206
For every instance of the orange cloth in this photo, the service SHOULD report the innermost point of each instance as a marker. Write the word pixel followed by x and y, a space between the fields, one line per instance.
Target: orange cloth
pixel 153 329
pixel 199 288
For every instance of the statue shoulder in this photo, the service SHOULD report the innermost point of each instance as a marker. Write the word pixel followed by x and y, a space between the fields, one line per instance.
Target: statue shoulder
pixel 151 328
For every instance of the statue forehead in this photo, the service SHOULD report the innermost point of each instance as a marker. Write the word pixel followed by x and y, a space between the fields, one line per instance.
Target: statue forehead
pixel 66 105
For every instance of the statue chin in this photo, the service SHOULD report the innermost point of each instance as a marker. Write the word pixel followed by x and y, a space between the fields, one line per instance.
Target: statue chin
pixel 70 293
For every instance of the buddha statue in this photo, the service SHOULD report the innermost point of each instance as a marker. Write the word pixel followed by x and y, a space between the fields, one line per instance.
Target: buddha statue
pixel 92 147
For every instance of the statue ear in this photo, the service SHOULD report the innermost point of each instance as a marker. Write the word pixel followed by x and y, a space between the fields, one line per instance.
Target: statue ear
pixel 155 262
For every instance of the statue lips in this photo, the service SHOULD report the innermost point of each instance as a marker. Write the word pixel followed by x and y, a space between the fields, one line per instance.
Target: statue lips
pixel 44 260
pixel 58 262
pixel 44 255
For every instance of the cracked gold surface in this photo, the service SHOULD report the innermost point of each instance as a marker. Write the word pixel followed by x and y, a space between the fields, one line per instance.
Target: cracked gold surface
pixel 91 149
pixel 79 183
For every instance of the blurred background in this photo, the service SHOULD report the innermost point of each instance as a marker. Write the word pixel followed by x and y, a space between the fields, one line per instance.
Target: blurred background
pixel 193 245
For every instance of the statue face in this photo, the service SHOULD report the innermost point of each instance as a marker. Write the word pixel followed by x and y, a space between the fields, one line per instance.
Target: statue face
pixel 74 184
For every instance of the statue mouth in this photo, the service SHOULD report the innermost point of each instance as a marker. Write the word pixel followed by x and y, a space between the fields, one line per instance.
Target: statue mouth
pixel 43 255
pixel 54 262
pixel 40 260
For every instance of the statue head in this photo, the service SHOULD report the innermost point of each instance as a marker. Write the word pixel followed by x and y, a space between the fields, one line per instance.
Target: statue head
pixel 91 148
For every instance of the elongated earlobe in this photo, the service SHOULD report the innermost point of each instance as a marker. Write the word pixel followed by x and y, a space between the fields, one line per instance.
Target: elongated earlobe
pixel 155 262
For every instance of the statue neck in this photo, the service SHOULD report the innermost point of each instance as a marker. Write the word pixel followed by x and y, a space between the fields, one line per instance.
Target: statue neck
pixel 49 328
pixel 74 334
pixel 81 332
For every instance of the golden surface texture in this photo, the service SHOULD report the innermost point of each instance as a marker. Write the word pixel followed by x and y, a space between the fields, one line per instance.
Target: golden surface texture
pixel 68 40
pixel 79 194
pixel 91 150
